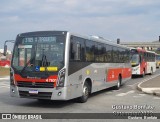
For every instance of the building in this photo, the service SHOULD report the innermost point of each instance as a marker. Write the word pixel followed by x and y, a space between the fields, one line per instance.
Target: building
pixel 151 46
pixel 5 60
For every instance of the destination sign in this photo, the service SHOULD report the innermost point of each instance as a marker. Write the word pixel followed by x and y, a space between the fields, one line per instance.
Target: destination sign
pixel 30 40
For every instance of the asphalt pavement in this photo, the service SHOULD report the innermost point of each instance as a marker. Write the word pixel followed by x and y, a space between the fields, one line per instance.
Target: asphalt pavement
pixel 105 101
pixel 150 85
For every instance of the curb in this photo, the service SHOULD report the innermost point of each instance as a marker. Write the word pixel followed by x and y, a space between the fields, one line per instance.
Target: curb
pixel 151 91
pixel 156 93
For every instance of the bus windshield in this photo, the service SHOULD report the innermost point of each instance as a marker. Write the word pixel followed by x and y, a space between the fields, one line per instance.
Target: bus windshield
pixel 135 59
pixel 157 57
pixel 39 53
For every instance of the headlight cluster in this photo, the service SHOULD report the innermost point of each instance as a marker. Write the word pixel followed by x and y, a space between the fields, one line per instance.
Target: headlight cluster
pixel 135 69
pixel 12 77
pixel 61 78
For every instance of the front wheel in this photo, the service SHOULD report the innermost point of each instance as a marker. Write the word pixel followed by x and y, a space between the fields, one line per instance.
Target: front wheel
pixel 143 74
pixel 85 95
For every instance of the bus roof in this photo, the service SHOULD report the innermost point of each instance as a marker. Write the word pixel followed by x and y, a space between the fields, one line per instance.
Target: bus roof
pixel 100 39
pixel 39 33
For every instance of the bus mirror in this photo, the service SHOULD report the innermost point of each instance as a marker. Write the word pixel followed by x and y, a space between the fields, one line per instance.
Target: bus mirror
pixel 5 50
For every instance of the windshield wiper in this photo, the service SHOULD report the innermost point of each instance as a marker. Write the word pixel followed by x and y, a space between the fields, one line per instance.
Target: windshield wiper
pixel 44 63
pixel 27 64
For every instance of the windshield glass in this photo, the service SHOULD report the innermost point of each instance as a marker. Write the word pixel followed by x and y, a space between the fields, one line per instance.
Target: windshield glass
pixel 157 57
pixel 39 53
pixel 135 59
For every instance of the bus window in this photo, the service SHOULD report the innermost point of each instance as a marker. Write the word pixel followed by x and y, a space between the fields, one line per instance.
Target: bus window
pixel 108 55
pixel 90 47
pixel 77 49
pixel 99 52
pixel 115 55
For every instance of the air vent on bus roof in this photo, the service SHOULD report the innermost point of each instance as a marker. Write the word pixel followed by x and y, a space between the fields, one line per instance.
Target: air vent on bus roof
pixel 97 37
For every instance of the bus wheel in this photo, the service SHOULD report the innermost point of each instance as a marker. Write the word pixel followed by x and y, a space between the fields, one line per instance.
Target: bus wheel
pixel 118 83
pixel 86 91
pixel 143 74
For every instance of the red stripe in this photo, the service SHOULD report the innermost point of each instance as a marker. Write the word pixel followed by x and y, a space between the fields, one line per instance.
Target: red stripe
pixel 113 74
pixel 51 78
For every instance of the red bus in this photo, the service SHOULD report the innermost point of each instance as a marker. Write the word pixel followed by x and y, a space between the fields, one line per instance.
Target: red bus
pixel 142 61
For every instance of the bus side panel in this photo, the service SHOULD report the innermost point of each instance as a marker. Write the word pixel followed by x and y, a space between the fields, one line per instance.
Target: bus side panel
pixel 151 65
pixel 114 73
pixel 98 73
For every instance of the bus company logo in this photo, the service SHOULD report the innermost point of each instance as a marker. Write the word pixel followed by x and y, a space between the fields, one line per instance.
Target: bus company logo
pixel 33 77
pixel 6 116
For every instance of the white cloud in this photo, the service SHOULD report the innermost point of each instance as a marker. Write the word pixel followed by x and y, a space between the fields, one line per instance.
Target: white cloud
pixel 126 19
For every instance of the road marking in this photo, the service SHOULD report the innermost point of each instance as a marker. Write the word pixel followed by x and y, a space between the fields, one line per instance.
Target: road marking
pixel 5 78
pixel 4 84
pixel 4 87
pixel 139 95
pixel 147 80
pixel 156 98
pixel 123 94
pixel 133 84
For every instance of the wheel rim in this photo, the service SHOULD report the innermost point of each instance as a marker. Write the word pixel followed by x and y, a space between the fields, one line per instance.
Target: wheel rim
pixel 118 84
pixel 85 91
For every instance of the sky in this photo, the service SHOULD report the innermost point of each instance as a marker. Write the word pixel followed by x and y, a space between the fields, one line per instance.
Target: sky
pixel 129 20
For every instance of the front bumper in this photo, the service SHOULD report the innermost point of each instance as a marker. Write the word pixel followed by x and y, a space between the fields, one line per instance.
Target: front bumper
pixel 43 93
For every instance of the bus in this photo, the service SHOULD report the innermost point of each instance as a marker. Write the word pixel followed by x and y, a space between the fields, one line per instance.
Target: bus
pixel 60 65
pixel 158 60
pixel 142 61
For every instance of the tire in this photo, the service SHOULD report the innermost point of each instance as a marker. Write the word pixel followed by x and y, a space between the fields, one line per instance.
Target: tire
pixel 119 83
pixel 86 92
pixel 143 74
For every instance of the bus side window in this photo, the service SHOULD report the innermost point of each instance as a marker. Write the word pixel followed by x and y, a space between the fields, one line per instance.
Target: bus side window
pixel 77 49
pixel 90 50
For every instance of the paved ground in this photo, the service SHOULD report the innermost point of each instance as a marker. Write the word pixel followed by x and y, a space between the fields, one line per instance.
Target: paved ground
pixel 101 102
pixel 151 85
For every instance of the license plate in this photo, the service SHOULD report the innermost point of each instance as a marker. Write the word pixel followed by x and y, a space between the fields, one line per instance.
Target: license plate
pixel 33 91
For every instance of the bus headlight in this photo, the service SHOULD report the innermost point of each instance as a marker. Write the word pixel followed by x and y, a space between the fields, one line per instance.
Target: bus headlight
pixel 61 78
pixel 11 78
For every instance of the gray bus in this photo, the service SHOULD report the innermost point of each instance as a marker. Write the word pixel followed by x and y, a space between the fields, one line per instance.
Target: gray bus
pixel 60 65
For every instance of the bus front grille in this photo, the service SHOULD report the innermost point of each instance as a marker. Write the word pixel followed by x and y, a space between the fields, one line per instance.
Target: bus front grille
pixel 35 84
pixel 40 95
